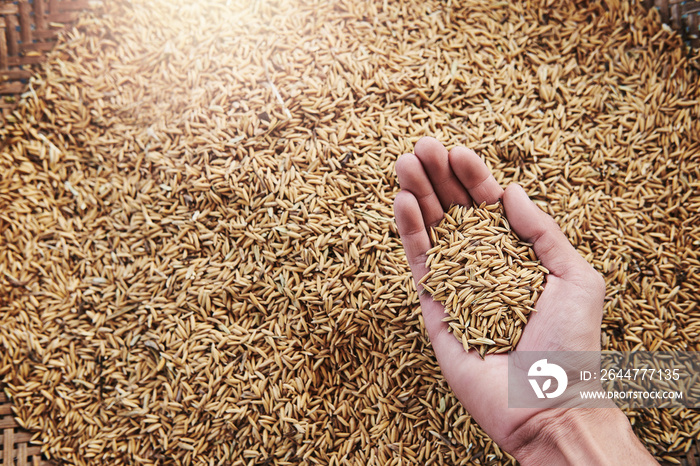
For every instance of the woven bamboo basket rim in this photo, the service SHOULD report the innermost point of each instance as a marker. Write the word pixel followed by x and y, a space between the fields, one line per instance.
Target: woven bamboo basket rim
pixel 28 32
pixel 15 448
pixel 29 29
pixel 681 15
pixel 23 453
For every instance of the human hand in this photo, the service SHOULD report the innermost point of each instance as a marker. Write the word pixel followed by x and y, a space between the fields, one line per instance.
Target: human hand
pixel 569 309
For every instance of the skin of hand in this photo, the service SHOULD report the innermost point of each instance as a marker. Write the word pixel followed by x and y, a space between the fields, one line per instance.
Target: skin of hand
pixel 568 319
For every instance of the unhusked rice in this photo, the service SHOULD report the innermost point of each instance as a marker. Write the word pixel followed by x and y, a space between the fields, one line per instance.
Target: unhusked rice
pixel 198 259
pixel 487 279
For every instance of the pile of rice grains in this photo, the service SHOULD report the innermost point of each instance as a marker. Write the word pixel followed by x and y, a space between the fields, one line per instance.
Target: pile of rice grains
pixel 198 259
pixel 487 279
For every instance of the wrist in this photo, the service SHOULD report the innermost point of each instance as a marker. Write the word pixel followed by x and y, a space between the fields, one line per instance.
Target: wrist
pixel 579 436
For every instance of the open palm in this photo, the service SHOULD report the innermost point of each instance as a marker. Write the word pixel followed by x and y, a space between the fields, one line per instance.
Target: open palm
pixel 569 309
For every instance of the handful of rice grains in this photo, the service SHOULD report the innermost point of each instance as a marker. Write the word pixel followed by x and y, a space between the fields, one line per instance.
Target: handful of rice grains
pixel 486 277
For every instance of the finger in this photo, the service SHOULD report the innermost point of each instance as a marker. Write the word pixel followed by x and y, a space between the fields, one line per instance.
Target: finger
pixel 475 176
pixel 433 156
pixel 534 226
pixel 416 243
pixel 412 178
pixel 412 230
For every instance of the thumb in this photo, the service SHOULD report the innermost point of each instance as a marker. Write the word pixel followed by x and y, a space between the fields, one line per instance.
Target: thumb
pixel 534 226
